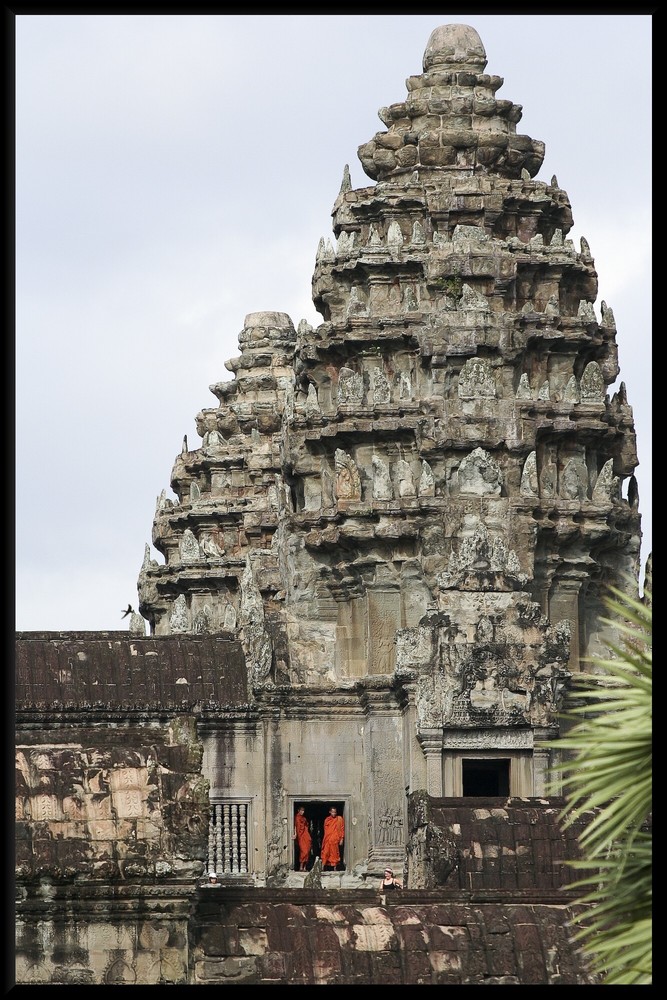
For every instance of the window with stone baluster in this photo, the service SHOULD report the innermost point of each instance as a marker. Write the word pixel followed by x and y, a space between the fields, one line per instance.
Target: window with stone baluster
pixel 228 848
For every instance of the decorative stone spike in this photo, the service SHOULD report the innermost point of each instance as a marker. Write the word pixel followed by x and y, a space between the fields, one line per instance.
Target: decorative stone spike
pixel 592 384
pixel 571 393
pixel 606 485
pixel 633 499
pixel 529 482
pixel 179 620
pixel 426 486
pixel 471 299
pixel 137 624
pixel 374 238
pixel 523 390
pixel 312 402
pixel 418 237
pixel 586 311
pixel 394 237
pixel 608 321
pixel 552 308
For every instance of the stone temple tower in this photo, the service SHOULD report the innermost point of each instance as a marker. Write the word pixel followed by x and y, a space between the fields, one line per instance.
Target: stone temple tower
pixel 378 574
pixel 418 505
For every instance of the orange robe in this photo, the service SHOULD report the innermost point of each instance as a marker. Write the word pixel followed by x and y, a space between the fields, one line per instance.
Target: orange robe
pixel 334 832
pixel 303 838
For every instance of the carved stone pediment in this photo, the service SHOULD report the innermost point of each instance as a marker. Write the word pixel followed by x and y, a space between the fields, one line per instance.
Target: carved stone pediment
pixel 515 677
pixel 482 562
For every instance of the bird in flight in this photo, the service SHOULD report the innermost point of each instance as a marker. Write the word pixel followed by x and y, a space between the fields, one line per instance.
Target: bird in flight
pixel 128 611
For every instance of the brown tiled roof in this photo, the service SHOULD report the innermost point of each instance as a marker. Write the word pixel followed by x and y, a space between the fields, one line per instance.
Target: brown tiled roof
pixel 67 670
pixel 337 939
pixel 508 844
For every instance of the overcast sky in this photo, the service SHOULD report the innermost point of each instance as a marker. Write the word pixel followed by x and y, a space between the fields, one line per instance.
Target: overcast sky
pixel 176 172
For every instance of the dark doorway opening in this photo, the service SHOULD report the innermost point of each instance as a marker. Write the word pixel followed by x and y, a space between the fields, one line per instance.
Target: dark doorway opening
pixel 486 777
pixel 317 811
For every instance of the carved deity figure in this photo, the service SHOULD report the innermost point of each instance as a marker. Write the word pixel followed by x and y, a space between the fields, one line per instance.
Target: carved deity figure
pixel 592 384
pixel 380 391
pixel 406 485
pixel 476 380
pixel 523 390
pixel 480 474
pixel 350 386
pixel 179 619
pixel 348 482
pixel 189 547
pixel 574 480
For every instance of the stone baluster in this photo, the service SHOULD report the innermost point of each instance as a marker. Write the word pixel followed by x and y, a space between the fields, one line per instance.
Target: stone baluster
pixel 243 838
pixel 228 840
pixel 219 858
pixel 235 839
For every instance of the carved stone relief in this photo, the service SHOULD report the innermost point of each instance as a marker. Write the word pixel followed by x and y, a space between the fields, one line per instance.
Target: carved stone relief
pixel 348 482
pixel 476 380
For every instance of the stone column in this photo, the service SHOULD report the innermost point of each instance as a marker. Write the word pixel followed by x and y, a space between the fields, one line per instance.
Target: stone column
pixel 542 758
pixel 564 604
pixel 388 808
pixel 431 743
pixel 414 759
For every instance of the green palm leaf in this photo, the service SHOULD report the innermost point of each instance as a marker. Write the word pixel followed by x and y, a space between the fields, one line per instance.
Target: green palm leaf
pixel 605 777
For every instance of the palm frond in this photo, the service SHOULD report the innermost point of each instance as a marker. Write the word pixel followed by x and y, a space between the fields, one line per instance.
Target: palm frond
pixel 605 778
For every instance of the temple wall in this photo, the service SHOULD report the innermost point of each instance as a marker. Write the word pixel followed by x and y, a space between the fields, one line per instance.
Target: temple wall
pixel 344 752
pixel 101 936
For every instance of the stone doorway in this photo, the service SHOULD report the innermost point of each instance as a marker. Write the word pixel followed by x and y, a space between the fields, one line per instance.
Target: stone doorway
pixel 486 777
pixel 317 811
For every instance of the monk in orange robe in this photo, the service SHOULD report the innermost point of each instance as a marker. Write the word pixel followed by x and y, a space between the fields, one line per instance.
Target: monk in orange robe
pixel 332 841
pixel 302 836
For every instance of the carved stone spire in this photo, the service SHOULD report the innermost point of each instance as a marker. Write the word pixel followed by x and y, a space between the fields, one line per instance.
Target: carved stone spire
pixel 451 120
